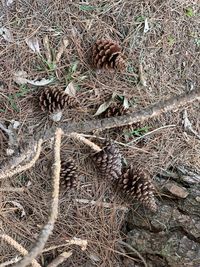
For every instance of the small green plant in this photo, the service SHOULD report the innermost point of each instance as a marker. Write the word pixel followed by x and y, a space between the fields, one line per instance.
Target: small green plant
pixel 86 8
pixel 171 40
pixel 51 66
pixel 140 19
pixel 72 69
pixel 189 12
pixel 138 132
pixel 23 90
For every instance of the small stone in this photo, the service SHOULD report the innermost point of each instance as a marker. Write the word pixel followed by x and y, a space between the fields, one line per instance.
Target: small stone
pixel 177 190
pixel 197 199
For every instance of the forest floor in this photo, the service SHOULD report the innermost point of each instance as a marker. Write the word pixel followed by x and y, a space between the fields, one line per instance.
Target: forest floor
pixel 161 44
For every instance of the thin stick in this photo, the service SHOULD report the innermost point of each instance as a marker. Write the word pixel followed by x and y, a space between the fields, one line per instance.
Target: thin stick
pixel 9 173
pixel 120 143
pixel 134 250
pixel 12 189
pixel 6 263
pixel 101 204
pixel 48 228
pixel 149 133
pixel 172 103
pixel 18 247
pixel 85 141
pixel 60 259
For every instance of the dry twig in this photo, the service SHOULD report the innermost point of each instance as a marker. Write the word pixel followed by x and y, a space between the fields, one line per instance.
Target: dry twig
pixel 48 228
pixel 87 142
pixel 18 247
pixel 9 172
pixel 60 259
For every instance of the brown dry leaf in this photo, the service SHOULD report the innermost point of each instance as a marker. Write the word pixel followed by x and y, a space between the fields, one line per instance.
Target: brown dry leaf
pixel 20 78
pixel 71 89
pixel 7 34
pixel 61 49
pixel 33 43
pixel 103 107
pixel 47 49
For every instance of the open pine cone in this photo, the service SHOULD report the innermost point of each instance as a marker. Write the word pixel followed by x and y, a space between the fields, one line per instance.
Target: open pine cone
pixel 116 109
pixel 108 161
pixel 107 54
pixel 138 184
pixel 68 174
pixel 54 99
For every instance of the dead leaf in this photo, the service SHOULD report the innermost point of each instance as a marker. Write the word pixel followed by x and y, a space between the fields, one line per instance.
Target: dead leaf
pixel 41 82
pixel 20 77
pixel 188 125
pixel 61 49
pixel 125 103
pixel 103 107
pixel 7 34
pixel 146 26
pixel 33 43
pixel 56 116
pixel 19 206
pixel 47 49
pixel 70 89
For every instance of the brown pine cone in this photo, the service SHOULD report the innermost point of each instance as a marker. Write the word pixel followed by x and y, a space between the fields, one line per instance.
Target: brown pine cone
pixel 138 184
pixel 54 99
pixel 108 161
pixel 68 174
pixel 107 54
pixel 116 109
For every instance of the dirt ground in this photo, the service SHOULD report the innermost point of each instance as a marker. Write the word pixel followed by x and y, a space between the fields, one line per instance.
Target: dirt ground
pixel 169 52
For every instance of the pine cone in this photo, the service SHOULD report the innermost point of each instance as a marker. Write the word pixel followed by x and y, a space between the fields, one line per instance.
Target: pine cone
pixel 107 54
pixel 139 185
pixel 116 109
pixel 68 174
pixel 54 99
pixel 108 161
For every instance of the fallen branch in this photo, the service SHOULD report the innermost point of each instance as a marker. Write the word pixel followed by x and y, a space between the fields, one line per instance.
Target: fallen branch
pixel 10 171
pixel 48 228
pixel 163 106
pixel 18 247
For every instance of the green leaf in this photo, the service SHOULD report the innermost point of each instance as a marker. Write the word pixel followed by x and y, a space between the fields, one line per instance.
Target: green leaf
pixel 86 8
pixel 74 66
pixel 189 12
pixel 2 110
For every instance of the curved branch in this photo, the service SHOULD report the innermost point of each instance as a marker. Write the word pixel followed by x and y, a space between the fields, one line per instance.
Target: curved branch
pixel 48 228
pixel 146 113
